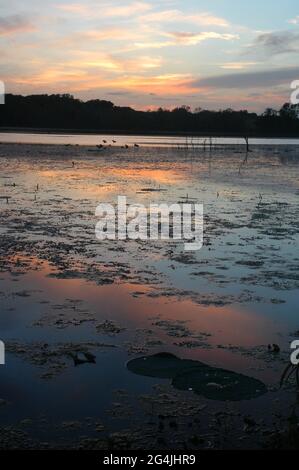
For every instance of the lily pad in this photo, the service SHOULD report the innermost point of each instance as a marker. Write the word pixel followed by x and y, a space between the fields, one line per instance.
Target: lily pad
pixel 211 382
pixel 220 384
pixel 162 365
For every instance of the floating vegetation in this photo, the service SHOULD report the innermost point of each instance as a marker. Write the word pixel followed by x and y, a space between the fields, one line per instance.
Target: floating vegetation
pixel 209 382
pixel 109 327
pixel 53 359
pixel 74 310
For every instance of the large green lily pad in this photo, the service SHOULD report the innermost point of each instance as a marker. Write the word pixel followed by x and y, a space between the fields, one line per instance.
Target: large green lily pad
pixel 210 382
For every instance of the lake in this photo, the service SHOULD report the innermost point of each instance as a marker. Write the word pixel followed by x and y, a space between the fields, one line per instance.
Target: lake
pixel 121 140
pixel 77 312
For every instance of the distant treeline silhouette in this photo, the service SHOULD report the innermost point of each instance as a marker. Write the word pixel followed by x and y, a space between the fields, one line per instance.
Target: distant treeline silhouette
pixel 63 111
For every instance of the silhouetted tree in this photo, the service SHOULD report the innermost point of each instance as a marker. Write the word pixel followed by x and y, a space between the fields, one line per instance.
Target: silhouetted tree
pixel 63 111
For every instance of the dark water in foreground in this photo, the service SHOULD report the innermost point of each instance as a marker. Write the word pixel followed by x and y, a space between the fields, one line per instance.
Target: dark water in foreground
pixel 64 293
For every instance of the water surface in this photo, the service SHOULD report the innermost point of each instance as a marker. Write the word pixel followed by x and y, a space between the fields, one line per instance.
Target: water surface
pixel 64 293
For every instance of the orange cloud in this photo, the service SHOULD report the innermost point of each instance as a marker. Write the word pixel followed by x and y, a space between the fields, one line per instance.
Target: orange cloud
pixel 168 84
pixel 106 10
pixel 184 39
pixel 133 8
pixel 201 19
pixel 237 65
pixel 86 60
pixel 76 8
pixel 49 77
pixel 76 80
pixel 114 33
pixel 191 39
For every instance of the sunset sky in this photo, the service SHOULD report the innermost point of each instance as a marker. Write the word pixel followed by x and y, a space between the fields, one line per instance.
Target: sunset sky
pixel 213 54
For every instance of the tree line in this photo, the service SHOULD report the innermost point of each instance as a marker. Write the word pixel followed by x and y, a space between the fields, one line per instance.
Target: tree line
pixel 63 111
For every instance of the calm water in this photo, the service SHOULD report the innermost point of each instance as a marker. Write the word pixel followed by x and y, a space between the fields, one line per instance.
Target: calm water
pixel 120 140
pixel 63 292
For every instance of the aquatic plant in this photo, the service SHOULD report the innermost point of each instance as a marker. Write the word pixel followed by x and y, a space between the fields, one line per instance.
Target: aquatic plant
pixel 211 382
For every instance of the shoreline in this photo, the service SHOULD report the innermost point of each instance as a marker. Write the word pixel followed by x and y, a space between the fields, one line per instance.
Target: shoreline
pixel 51 131
pixel 92 148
